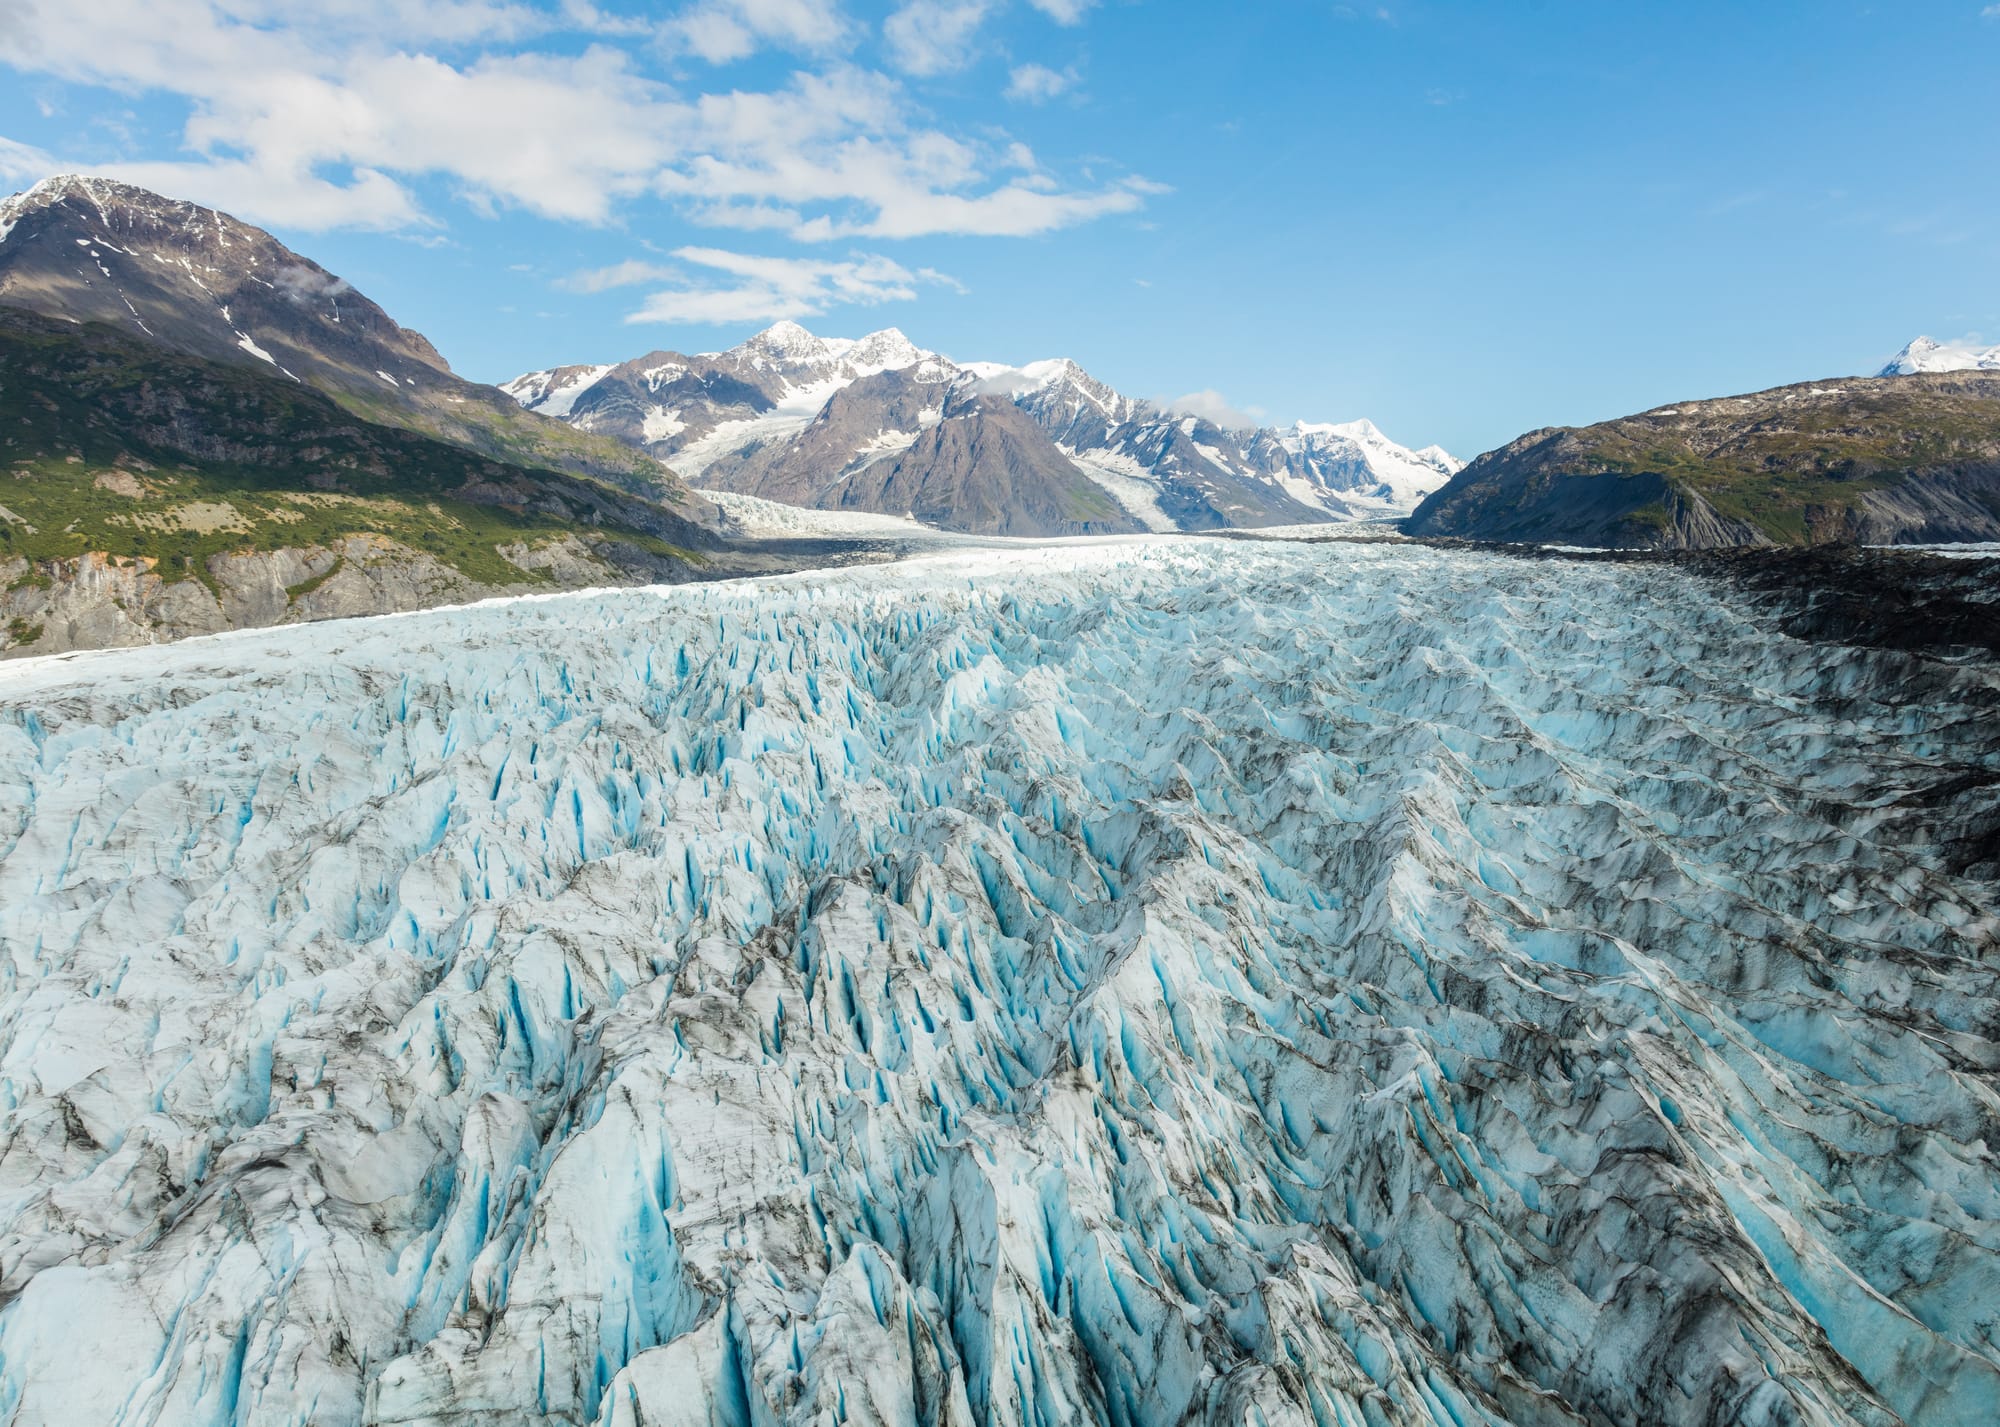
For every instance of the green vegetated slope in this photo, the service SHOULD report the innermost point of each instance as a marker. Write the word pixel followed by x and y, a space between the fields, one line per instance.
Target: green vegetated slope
pixel 1879 460
pixel 114 445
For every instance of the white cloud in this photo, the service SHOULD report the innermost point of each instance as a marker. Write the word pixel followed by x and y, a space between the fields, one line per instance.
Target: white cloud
pixel 723 30
pixel 764 289
pixel 315 118
pixel 292 195
pixel 933 36
pixel 1212 405
pixel 1037 83
pixel 23 163
pixel 1064 12
pixel 629 273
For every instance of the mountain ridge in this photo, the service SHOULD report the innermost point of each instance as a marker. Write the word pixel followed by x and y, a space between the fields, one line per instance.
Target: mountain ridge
pixel 1870 460
pixel 754 419
pixel 150 493
pixel 200 282
pixel 1927 354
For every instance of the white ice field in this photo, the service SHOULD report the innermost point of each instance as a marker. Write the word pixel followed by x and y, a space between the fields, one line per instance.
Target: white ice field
pixel 1149 982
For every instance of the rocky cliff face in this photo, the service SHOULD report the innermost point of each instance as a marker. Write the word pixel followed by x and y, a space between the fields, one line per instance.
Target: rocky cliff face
pixel 986 468
pixel 1906 459
pixel 99 601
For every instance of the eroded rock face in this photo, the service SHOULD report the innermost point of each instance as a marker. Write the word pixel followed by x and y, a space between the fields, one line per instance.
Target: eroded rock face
pixel 102 602
pixel 1137 984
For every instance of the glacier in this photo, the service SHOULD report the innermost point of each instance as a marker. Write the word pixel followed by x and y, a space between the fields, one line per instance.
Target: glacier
pixel 1137 982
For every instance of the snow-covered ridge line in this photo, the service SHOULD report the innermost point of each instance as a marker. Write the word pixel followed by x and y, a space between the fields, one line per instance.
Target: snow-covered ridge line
pixel 1152 981
pixel 1926 354
pixel 733 419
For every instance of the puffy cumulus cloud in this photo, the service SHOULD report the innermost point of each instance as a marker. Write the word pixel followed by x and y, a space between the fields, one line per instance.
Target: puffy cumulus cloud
pixel 1037 83
pixel 1212 405
pixel 720 31
pixel 934 36
pixel 752 288
pixel 1064 12
pixel 327 115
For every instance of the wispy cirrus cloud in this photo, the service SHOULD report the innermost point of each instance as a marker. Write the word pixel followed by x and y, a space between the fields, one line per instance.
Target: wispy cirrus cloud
pixel 744 287
pixel 630 273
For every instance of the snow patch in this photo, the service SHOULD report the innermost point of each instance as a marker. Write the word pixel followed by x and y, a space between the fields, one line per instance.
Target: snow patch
pixel 243 341
pixel 660 423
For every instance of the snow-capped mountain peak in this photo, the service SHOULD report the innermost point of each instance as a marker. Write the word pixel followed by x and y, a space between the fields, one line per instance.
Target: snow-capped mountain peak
pixel 805 357
pixel 885 351
pixel 1927 354
pixel 554 392
pixel 788 347
pixel 790 415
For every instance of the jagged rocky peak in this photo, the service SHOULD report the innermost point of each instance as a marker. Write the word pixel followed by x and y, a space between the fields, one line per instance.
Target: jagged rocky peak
pixel 791 348
pixel 768 418
pixel 1927 354
pixel 888 350
pixel 789 344
pixel 111 199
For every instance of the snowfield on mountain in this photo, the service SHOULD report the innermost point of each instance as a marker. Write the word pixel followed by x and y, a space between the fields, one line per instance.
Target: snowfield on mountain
pixel 880 424
pixel 1135 982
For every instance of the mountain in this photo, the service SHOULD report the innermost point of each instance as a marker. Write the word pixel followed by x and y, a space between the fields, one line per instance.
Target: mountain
pixel 1929 355
pixel 203 284
pixel 1231 985
pixel 1892 460
pixel 150 494
pixel 847 424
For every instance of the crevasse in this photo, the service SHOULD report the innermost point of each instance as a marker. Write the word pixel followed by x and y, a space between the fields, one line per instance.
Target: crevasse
pixel 1138 983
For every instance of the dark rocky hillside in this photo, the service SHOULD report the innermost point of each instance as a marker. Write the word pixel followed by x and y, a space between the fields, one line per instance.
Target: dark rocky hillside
pixel 198 282
pixel 145 493
pixel 1870 460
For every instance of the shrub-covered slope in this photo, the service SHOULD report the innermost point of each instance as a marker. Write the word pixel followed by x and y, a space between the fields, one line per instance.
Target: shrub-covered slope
pixel 1891 460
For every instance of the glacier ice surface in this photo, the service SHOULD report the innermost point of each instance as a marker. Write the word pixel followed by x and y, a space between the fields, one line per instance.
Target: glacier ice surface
pixel 1133 982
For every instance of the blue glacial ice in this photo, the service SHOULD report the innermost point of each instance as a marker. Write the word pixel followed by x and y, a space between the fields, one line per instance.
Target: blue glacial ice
pixel 1138 983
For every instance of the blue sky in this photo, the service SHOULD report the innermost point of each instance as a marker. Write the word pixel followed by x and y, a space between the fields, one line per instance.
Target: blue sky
pixel 1461 220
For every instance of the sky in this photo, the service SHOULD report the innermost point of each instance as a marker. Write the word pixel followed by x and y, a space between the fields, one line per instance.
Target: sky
pixel 1460 220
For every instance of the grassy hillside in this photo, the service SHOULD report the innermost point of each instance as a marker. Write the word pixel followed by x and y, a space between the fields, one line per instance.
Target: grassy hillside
pixel 1868 459
pixel 109 444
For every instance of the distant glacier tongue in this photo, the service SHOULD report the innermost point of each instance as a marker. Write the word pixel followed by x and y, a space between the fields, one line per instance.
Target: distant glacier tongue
pixel 1142 983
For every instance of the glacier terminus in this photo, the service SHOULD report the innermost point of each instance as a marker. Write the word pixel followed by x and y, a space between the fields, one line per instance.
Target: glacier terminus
pixel 1140 982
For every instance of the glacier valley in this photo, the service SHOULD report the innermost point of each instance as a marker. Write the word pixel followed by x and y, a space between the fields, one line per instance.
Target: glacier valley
pixel 1137 982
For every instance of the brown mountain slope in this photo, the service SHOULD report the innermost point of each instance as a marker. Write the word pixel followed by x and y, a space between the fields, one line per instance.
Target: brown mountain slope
pixel 201 283
pixel 1876 460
